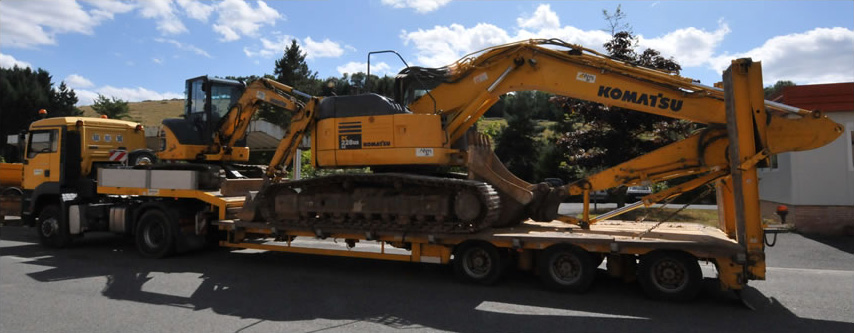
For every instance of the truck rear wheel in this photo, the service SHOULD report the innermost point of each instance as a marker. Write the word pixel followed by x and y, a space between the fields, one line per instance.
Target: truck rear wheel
pixel 566 268
pixel 155 235
pixel 52 227
pixel 670 275
pixel 478 262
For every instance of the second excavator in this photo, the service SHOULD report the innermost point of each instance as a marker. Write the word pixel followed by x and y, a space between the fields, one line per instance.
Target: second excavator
pixel 430 172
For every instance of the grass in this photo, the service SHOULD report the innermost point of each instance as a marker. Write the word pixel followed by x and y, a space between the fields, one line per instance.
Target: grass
pixel 148 113
pixel 708 217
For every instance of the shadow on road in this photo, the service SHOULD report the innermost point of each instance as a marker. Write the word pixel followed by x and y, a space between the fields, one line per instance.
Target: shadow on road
pixel 288 287
pixel 842 243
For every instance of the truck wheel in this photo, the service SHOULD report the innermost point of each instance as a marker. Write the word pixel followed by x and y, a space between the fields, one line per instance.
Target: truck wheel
pixel 478 262
pixel 155 236
pixel 566 268
pixel 670 275
pixel 52 227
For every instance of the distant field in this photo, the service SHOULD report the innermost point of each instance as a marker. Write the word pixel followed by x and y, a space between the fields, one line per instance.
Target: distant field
pixel 148 113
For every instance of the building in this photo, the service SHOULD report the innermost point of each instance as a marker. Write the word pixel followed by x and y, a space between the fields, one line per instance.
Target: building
pixel 816 185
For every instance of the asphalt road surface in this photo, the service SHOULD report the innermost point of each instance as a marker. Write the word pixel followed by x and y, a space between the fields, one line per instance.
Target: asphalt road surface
pixel 102 285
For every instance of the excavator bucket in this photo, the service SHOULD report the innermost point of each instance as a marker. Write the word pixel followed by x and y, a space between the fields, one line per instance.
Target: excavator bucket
pixel 519 199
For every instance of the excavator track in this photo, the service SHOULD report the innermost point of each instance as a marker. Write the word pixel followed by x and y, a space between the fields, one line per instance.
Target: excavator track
pixel 380 203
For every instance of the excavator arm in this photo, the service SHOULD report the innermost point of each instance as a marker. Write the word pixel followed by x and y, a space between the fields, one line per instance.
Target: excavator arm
pixel 472 85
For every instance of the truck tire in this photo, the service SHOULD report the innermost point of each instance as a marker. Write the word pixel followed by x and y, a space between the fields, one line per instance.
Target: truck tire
pixel 155 234
pixel 52 227
pixel 566 268
pixel 478 262
pixel 670 275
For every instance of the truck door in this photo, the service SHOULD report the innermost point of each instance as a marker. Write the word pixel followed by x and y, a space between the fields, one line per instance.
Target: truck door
pixel 42 158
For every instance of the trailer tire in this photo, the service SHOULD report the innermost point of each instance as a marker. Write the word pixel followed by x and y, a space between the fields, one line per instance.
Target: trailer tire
pixel 52 227
pixel 566 268
pixel 478 262
pixel 155 234
pixel 670 275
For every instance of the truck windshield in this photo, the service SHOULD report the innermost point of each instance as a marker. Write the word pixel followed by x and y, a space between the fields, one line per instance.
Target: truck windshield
pixel 41 142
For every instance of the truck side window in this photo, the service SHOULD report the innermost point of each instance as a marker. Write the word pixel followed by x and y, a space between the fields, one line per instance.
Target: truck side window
pixel 41 142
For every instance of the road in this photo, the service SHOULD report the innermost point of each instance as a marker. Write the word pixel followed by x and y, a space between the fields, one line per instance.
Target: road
pixel 102 285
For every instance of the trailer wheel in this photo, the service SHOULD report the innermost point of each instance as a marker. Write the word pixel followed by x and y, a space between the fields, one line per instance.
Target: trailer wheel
pixel 155 236
pixel 566 268
pixel 52 227
pixel 478 262
pixel 670 275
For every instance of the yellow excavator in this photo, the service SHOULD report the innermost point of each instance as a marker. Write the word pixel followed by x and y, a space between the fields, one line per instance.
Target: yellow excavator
pixel 417 143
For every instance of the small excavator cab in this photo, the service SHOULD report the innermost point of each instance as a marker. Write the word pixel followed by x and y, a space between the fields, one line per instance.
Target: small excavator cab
pixel 208 101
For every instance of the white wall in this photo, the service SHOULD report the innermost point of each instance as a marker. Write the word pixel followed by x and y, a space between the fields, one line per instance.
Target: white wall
pixel 776 184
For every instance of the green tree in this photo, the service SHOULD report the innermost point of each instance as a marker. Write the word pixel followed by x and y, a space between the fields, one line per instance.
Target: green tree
pixel 517 145
pixel 113 108
pixel 291 69
pixel 777 88
pixel 24 93
pixel 594 137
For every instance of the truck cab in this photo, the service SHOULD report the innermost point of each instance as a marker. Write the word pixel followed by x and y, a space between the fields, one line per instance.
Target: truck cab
pixel 62 155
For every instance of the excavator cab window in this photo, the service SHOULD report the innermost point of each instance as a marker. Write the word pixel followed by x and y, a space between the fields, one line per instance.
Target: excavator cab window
pixel 209 100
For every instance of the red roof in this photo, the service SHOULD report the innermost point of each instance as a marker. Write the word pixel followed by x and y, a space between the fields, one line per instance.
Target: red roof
pixel 832 97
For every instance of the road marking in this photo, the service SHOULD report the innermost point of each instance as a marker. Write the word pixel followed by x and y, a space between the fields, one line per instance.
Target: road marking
pixel 812 271
pixel 529 310
pixel 27 259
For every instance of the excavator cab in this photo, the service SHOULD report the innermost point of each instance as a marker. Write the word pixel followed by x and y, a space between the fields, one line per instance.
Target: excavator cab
pixel 208 101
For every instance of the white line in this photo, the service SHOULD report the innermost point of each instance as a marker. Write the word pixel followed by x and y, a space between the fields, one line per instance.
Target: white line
pixel 810 270
pixel 519 309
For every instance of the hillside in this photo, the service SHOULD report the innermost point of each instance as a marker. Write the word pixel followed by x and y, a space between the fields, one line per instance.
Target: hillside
pixel 148 113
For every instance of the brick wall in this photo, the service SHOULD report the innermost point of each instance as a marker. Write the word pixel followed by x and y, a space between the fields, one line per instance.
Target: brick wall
pixel 823 220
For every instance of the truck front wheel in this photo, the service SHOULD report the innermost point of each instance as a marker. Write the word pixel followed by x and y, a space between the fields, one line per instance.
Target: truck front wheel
pixel 52 227
pixel 155 235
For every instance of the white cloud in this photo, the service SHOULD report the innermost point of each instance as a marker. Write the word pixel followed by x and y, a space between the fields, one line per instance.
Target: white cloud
pixel 420 6
pixel 196 10
pixel 353 67
pixel 27 24
pixel 107 9
pixel 821 55
pixel 7 61
pixel 442 45
pixel 185 47
pixel 312 49
pixel 138 94
pixel 324 49
pixel 163 12
pixel 237 19
pixel 78 82
pixel 270 48
pixel 543 18
pixel 689 46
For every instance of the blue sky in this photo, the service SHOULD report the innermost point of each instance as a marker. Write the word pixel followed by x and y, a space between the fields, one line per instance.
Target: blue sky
pixel 141 50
